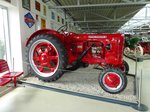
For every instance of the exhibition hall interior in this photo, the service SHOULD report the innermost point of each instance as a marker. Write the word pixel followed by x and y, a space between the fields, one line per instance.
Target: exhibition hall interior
pixel 74 55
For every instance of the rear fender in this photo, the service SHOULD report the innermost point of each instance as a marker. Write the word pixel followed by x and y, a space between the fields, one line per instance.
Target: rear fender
pixel 46 31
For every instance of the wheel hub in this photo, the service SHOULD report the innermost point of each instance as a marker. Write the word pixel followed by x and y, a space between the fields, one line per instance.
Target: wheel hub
pixel 44 58
pixel 112 80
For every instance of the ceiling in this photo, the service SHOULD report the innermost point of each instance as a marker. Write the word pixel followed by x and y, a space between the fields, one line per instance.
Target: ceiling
pixel 100 16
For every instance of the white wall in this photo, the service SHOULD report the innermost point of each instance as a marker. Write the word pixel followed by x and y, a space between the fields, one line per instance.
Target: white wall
pixel 26 31
pixel 20 32
pixel 57 12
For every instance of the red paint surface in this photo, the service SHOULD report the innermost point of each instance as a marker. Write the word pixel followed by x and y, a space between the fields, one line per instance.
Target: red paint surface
pixel 75 44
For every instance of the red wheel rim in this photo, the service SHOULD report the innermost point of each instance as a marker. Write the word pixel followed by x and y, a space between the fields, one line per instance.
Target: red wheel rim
pixel 112 80
pixel 44 58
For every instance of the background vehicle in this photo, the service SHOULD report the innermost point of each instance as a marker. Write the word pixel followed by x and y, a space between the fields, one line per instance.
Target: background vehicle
pixel 50 53
pixel 137 46
pixel 133 47
pixel 145 43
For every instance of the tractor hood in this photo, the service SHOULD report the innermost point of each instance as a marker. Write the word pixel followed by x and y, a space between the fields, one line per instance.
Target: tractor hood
pixel 96 37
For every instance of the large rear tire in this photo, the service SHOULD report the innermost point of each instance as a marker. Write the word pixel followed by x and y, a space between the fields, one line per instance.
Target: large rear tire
pixel 47 57
pixel 112 80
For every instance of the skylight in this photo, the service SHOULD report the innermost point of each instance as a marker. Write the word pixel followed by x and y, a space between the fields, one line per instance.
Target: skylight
pixel 142 18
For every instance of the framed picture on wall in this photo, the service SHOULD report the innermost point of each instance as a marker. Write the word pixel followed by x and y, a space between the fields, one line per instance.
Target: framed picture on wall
pixel 58 19
pixel 53 15
pixel 62 20
pixel 37 6
pixel 26 4
pixel 43 23
pixel 44 10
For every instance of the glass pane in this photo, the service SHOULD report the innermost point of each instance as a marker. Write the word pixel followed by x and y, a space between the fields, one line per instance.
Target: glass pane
pixel 2 37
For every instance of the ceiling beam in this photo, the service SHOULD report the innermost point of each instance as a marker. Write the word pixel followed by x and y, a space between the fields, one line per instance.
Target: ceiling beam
pixel 101 29
pixel 141 28
pixel 99 15
pixel 129 14
pixel 97 27
pixel 100 5
pixel 45 1
pixel 128 1
pixel 57 2
pixel 112 20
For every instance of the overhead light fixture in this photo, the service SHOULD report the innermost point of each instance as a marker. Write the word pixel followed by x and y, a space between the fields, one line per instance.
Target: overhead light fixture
pixel 45 1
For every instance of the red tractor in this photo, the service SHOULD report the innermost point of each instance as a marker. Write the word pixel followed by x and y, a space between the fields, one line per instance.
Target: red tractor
pixel 50 53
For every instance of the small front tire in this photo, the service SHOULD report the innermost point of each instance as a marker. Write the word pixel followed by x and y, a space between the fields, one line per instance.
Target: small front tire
pixel 125 67
pixel 112 80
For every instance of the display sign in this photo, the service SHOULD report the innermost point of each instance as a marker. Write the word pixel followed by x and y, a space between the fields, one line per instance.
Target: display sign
pixel 26 4
pixel 29 20
pixel 43 23
pixel 53 15
pixel 37 6
pixel 58 19
pixel 62 21
pixel 44 10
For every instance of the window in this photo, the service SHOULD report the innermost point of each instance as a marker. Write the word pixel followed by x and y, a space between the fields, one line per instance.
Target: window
pixel 4 35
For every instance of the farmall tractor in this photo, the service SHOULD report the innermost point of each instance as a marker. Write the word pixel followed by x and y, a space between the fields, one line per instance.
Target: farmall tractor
pixel 50 53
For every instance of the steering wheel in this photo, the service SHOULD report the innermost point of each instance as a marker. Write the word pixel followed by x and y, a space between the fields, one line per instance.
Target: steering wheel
pixel 62 28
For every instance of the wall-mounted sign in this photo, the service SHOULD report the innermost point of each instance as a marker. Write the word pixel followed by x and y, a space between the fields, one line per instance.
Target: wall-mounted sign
pixel 26 4
pixel 43 23
pixel 58 19
pixel 37 6
pixel 44 10
pixel 53 15
pixel 62 20
pixel 29 20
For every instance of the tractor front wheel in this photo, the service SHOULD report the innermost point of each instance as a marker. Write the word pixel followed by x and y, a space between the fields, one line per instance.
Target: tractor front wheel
pixel 46 57
pixel 112 80
pixel 125 67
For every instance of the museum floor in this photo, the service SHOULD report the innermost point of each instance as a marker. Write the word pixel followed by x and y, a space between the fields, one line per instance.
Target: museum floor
pixel 30 99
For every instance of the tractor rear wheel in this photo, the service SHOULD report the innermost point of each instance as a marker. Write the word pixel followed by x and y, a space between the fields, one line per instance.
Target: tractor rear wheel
pixel 112 80
pixel 47 57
